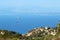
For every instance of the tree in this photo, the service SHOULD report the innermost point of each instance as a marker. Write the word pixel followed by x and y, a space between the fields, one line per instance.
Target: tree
pixel 58 28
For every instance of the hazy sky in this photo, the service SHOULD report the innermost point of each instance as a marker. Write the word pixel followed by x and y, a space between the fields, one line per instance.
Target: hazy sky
pixel 33 6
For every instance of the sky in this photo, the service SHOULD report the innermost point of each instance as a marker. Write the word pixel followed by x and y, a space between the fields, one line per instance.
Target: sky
pixel 30 6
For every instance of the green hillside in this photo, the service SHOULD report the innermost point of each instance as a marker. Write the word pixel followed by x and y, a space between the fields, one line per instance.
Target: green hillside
pixel 9 35
pixel 35 34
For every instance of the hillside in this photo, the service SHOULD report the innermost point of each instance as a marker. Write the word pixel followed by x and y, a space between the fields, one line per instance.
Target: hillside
pixel 9 35
pixel 34 34
pixel 44 33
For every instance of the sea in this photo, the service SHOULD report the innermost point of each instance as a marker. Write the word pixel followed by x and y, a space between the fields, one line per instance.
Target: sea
pixel 22 23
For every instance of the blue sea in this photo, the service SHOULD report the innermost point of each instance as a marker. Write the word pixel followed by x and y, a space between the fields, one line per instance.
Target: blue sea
pixel 22 23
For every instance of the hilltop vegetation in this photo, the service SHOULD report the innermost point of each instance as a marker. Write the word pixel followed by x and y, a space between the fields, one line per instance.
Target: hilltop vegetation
pixel 9 35
pixel 39 35
pixel 35 34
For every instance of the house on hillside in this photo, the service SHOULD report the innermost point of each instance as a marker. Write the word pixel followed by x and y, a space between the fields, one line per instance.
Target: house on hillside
pixel 2 32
